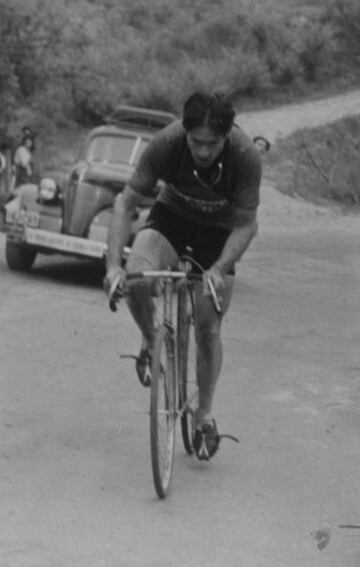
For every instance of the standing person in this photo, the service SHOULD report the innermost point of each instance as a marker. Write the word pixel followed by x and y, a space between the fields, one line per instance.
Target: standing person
pixel 3 170
pixel 212 175
pixel 23 160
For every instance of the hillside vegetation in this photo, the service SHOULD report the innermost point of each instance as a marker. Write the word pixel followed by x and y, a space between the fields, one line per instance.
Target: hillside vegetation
pixel 321 165
pixel 74 60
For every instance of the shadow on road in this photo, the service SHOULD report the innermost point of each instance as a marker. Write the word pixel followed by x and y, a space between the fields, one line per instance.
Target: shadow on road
pixel 69 272
pixel 60 270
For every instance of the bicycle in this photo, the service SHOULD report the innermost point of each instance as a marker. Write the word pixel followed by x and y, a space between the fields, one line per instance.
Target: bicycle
pixel 174 390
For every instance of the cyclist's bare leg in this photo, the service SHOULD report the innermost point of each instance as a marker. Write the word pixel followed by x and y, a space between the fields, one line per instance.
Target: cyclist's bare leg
pixel 210 349
pixel 150 251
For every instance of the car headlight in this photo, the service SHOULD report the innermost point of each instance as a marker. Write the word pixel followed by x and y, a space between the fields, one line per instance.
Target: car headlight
pixel 47 190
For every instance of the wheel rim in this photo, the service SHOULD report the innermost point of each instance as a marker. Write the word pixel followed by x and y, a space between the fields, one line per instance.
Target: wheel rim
pixel 189 390
pixel 163 413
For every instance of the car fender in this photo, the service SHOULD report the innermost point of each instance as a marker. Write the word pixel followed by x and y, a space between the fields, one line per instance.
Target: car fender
pixel 26 209
pixel 13 205
pixel 21 195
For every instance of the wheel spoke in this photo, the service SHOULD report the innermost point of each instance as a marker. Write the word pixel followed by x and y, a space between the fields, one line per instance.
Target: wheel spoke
pixel 188 390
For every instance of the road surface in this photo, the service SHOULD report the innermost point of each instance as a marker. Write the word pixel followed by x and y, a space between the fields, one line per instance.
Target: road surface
pixel 75 477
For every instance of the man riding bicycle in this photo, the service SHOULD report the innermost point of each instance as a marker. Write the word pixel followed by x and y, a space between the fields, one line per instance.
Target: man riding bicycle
pixel 211 173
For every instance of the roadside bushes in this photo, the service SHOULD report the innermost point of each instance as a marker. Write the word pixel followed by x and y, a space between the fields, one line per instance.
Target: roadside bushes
pixel 252 56
pixel 322 164
pixel 345 17
pixel 85 57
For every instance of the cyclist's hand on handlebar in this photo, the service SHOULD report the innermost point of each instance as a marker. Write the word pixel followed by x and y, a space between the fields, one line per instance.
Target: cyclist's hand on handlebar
pixel 114 286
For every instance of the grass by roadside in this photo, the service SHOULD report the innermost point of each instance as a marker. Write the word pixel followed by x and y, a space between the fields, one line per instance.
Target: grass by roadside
pixel 320 165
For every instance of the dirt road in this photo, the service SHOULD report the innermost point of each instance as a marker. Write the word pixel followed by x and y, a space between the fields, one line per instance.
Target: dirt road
pixel 283 121
pixel 75 480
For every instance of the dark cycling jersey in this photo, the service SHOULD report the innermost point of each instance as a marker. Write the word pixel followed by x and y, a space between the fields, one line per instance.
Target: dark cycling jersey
pixel 208 197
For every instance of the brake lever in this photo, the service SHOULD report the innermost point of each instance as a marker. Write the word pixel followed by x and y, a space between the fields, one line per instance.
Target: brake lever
pixel 115 294
pixel 214 295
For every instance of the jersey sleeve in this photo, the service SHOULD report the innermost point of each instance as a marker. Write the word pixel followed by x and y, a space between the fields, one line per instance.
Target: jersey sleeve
pixel 246 181
pixel 153 165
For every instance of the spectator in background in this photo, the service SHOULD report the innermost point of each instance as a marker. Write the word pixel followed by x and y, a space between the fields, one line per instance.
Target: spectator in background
pixel 262 144
pixel 3 156
pixel 3 170
pixel 23 160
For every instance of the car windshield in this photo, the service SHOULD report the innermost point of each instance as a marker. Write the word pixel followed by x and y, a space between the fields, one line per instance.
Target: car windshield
pixel 115 149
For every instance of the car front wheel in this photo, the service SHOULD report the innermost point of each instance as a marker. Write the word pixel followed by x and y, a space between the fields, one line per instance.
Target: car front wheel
pixel 18 257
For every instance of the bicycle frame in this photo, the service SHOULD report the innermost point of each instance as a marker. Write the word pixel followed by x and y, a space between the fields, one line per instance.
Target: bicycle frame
pixel 170 369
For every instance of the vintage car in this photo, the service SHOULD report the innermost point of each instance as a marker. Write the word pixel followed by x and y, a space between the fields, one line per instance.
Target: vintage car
pixel 73 220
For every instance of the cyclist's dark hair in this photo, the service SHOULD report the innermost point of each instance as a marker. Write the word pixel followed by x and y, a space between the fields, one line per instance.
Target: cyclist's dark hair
pixel 213 110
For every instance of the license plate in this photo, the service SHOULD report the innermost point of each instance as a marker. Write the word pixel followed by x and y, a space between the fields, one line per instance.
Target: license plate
pixel 65 243
pixel 26 218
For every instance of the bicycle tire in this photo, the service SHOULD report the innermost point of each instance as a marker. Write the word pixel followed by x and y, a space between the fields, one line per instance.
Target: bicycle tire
pixel 186 361
pixel 163 410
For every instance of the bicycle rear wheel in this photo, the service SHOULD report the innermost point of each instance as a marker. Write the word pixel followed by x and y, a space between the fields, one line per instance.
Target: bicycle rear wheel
pixel 186 360
pixel 163 410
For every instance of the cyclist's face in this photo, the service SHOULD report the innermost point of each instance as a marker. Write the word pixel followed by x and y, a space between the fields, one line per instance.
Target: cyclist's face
pixel 204 145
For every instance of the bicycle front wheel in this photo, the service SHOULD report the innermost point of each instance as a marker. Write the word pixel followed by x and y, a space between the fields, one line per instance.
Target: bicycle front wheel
pixel 186 360
pixel 163 410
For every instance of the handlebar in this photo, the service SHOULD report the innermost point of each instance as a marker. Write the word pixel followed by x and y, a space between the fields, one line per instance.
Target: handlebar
pixel 117 292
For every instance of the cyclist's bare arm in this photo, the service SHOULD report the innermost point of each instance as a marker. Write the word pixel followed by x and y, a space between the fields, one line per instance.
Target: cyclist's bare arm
pixel 235 246
pixel 119 231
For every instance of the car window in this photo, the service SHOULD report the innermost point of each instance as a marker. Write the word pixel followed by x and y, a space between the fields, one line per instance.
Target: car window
pixel 115 149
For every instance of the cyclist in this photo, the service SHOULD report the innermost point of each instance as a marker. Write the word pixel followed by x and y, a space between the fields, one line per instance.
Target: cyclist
pixel 211 173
